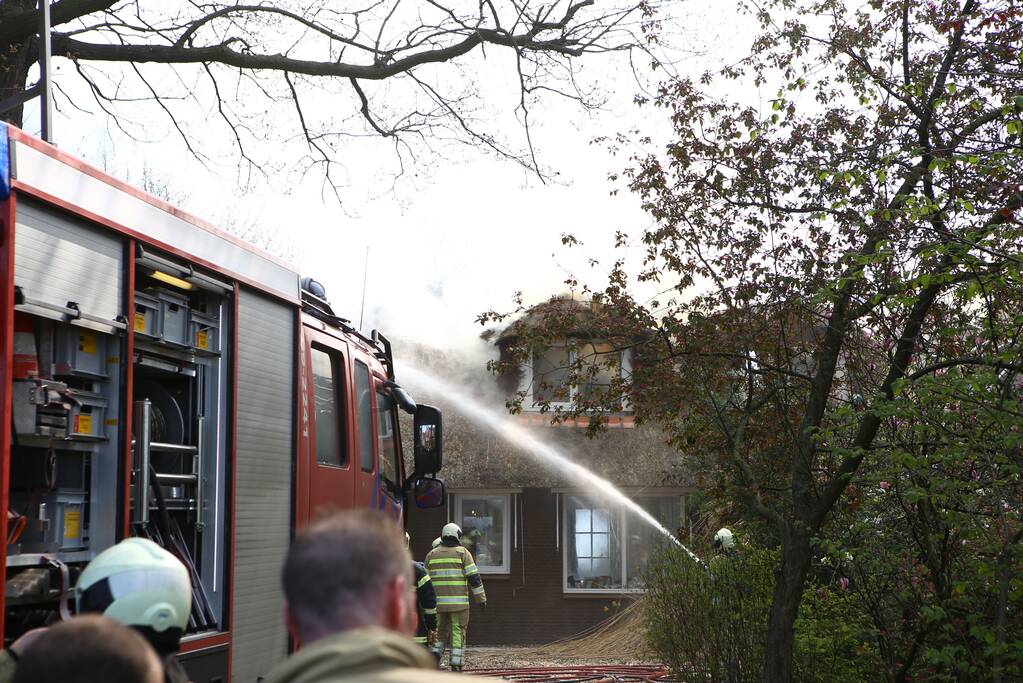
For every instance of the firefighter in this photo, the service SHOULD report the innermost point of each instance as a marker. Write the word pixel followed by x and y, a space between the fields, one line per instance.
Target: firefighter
pixel 724 541
pixel 141 585
pixel 426 603
pixel 454 576
pixel 724 546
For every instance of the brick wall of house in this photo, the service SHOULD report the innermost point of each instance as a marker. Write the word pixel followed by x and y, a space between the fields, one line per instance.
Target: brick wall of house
pixel 526 606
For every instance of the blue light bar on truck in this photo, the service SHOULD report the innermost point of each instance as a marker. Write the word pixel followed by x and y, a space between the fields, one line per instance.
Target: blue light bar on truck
pixel 5 163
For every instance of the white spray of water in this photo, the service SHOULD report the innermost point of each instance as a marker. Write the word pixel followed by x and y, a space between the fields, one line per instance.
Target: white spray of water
pixel 527 442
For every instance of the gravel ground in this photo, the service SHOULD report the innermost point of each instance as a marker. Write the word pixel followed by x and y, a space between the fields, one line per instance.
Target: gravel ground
pixel 523 658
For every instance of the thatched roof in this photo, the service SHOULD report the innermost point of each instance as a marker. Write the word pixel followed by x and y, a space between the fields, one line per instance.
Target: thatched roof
pixel 477 457
pixel 563 312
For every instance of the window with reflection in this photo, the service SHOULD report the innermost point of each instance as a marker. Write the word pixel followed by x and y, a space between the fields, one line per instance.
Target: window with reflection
pixel 328 413
pixel 607 546
pixel 364 410
pixel 387 440
pixel 484 519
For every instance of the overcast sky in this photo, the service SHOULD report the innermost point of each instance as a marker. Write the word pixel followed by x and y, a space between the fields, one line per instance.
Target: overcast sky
pixel 446 247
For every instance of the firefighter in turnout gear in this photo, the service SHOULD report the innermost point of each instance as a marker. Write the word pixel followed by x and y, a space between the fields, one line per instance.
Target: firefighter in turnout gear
pixel 455 577
pixel 426 603
pixel 141 585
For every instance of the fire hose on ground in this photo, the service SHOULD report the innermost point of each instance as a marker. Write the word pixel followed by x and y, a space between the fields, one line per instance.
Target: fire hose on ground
pixel 580 674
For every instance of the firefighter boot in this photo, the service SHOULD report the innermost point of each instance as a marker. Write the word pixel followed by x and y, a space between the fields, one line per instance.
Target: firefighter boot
pixel 437 649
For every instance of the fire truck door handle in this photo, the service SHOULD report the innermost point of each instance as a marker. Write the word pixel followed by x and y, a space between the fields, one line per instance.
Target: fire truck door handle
pixel 199 455
pixel 140 428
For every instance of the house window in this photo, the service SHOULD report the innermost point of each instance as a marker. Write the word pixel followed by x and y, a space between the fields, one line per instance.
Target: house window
pixel 607 547
pixel 601 364
pixel 485 520
pixel 597 365
pixel 550 372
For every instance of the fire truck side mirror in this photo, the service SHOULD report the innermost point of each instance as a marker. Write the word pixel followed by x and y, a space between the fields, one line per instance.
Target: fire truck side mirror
pixel 427 440
pixel 429 493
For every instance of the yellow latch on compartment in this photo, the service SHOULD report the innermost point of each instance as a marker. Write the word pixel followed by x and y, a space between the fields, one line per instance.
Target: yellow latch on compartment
pixel 72 523
pixel 140 322
pixel 87 342
pixel 202 340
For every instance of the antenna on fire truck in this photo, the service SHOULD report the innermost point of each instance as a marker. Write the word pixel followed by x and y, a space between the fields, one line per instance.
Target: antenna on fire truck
pixel 365 275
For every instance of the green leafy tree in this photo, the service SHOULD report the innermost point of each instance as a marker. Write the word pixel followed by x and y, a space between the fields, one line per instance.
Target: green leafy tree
pixel 821 260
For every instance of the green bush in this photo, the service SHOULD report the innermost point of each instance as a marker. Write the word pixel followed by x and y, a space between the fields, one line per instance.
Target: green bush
pixel 710 624
pixel 834 639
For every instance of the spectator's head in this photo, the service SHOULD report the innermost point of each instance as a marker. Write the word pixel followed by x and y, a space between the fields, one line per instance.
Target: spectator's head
pixel 348 571
pixel 89 649
pixel 139 584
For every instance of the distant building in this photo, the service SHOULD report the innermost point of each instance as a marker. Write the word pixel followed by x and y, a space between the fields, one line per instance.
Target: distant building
pixel 554 553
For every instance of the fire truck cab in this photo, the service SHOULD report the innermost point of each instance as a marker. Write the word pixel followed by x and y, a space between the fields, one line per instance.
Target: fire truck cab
pixel 161 378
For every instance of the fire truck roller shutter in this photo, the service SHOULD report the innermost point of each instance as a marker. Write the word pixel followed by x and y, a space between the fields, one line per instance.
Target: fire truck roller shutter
pixel 59 258
pixel 263 485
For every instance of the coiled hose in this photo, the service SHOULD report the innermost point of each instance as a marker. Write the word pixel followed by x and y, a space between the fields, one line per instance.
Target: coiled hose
pixel 580 674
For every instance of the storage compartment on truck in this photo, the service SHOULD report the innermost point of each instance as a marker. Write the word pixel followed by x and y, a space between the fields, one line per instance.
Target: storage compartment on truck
pixel 87 417
pixel 53 522
pixel 78 352
pixel 203 331
pixel 147 315
pixel 173 318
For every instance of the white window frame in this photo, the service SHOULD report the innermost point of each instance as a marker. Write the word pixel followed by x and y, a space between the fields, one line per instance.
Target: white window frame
pixel 622 520
pixel 506 531
pixel 526 384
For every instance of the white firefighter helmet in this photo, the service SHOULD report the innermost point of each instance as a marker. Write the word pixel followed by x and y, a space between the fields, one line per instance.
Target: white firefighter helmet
pixel 723 539
pixel 451 530
pixel 137 583
pixel 436 542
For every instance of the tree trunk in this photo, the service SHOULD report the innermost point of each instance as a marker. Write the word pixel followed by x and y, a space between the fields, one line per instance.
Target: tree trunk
pixel 788 592
pixel 14 66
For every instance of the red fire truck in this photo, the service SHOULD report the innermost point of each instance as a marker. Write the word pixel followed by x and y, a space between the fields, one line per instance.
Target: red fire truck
pixel 162 378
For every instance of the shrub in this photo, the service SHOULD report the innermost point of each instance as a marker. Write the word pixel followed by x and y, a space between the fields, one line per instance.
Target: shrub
pixel 710 624
pixel 834 639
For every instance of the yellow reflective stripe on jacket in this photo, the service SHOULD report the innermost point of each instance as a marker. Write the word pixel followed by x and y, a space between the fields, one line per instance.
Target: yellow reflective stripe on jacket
pixel 451 571
pixel 423 581
pixel 442 573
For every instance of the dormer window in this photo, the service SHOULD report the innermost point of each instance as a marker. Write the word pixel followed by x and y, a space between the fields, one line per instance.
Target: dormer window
pixel 549 375
pixel 597 364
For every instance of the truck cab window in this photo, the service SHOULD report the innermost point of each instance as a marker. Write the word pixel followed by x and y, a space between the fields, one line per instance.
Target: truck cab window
pixel 365 413
pixel 327 408
pixel 387 439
